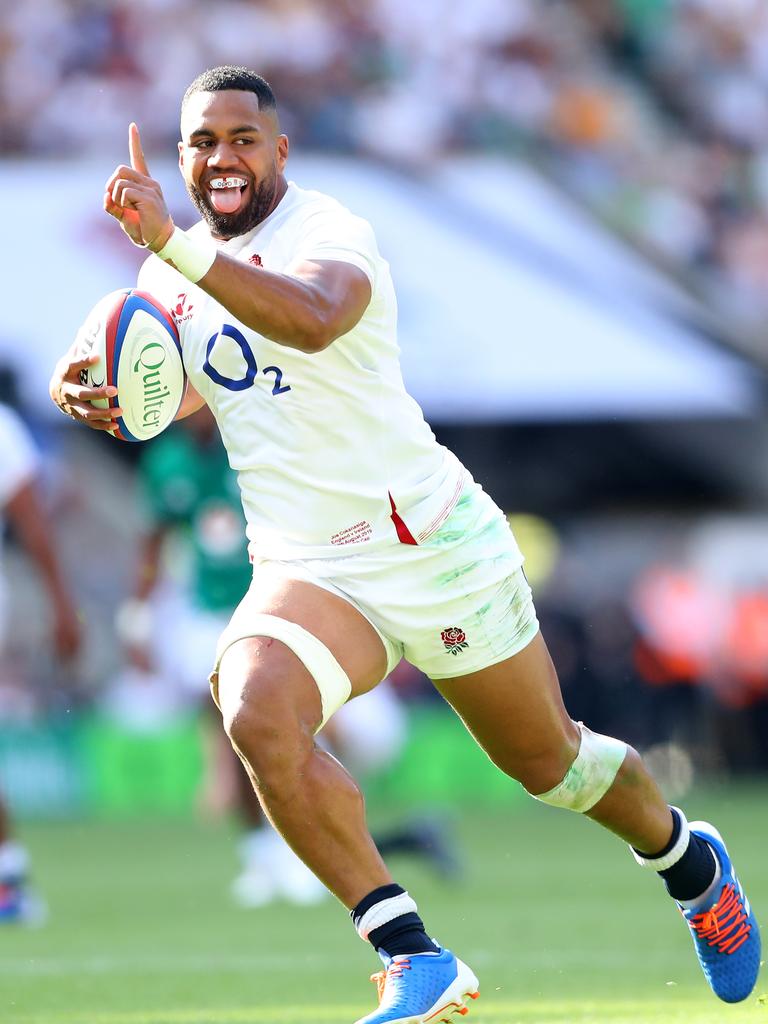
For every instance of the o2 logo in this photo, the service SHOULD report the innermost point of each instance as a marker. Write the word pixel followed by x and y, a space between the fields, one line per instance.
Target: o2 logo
pixel 251 369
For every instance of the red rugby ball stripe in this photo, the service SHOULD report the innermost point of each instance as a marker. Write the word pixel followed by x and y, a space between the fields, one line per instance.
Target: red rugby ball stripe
pixel 111 337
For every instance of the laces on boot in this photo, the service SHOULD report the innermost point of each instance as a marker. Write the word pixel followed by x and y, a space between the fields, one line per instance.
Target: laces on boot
pixel 395 970
pixel 724 926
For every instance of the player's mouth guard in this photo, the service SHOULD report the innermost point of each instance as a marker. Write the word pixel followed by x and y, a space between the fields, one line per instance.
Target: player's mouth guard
pixel 591 775
pixel 330 678
pixel 231 182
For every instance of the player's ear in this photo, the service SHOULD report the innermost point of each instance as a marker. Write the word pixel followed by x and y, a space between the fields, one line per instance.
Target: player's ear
pixel 282 152
pixel 181 156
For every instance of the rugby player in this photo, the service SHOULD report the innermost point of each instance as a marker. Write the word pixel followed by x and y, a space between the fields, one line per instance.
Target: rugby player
pixel 371 542
pixel 22 507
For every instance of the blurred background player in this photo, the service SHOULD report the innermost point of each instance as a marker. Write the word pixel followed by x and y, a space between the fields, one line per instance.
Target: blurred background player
pixel 22 507
pixel 193 570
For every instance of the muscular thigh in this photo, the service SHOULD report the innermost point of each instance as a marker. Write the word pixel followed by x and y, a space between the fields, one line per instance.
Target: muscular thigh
pixel 515 711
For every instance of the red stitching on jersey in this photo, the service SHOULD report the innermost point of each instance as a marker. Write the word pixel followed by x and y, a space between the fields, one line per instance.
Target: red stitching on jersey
pixel 444 512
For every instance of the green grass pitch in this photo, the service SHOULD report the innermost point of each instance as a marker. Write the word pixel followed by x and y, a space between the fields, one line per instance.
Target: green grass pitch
pixel 553 914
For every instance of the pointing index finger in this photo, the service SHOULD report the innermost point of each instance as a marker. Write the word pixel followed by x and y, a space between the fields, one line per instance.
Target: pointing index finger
pixel 138 163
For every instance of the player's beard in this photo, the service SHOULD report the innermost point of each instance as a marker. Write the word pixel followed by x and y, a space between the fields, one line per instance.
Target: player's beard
pixel 229 225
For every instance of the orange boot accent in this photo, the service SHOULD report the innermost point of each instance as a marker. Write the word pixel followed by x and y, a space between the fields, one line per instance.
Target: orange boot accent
pixel 723 925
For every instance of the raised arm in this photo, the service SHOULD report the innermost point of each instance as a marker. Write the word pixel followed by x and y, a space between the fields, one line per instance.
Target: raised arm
pixel 308 307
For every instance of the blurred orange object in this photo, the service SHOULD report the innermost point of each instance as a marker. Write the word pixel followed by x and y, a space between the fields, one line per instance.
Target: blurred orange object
pixel 584 115
pixel 681 619
pixel 744 655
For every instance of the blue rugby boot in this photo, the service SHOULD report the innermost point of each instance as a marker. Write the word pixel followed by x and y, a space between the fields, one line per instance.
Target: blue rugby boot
pixel 422 989
pixel 724 929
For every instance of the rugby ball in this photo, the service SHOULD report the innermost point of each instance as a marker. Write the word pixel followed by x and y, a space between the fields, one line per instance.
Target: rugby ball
pixel 139 352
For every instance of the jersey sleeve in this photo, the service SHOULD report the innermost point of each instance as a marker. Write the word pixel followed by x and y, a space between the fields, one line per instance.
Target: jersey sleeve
pixel 340 235
pixel 18 456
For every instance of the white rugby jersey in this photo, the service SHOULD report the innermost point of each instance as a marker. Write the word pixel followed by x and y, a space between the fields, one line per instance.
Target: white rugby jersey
pixel 332 454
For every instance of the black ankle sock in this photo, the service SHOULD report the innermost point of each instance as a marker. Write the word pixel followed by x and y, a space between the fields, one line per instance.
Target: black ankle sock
pixel 692 875
pixel 405 934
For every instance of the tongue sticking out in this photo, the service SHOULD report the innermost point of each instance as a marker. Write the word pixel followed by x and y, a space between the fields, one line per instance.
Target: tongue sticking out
pixel 226 200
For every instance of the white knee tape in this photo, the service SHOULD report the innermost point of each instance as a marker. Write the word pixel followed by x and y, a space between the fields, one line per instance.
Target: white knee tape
pixel 331 679
pixel 591 775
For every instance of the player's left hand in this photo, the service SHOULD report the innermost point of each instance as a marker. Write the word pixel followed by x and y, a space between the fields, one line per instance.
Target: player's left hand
pixel 134 198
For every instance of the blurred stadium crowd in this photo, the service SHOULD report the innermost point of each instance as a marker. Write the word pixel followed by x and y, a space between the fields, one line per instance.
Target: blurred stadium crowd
pixel 595 91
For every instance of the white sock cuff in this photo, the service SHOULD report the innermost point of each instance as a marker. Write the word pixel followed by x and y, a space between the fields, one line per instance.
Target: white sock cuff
pixel 674 855
pixel 384 912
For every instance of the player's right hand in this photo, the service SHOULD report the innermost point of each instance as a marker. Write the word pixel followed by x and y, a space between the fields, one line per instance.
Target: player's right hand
pixel 135 199
pixel 74 398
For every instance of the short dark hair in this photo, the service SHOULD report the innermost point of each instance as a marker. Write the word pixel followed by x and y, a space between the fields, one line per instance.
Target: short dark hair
pixel 230 77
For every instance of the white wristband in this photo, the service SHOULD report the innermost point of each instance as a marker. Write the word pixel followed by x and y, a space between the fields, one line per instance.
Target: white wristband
pixel 192 257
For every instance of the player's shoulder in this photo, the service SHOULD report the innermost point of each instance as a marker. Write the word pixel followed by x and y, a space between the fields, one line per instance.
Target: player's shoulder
pixel 311 204
pixel 302 198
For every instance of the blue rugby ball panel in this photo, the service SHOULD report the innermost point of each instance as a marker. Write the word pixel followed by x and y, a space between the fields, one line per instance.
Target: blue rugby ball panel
pixel 140 350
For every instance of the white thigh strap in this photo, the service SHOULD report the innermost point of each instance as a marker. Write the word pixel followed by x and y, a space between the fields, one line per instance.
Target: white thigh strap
pixel 331 679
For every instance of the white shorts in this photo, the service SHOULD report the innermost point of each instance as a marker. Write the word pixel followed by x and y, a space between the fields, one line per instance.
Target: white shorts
pixel 455 604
